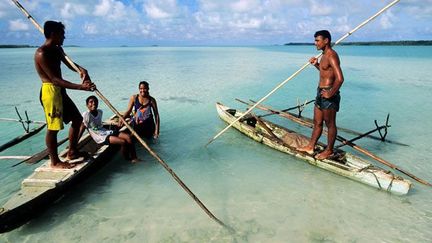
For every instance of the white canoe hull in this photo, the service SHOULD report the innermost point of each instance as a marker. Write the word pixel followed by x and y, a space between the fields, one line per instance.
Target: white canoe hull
pixel 353 167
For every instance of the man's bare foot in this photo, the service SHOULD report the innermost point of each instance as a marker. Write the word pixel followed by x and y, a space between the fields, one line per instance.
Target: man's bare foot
pixel 77 155
pixel 324 154
pixel 136 160
pixel 62 165
pixel 307 149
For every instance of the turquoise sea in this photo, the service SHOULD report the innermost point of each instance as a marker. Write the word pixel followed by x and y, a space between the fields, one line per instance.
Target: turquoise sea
pixel 266 196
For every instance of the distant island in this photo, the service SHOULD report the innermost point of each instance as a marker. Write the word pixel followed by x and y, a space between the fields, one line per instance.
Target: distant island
pixel 373 43
pixel 17 46
pixel 28 46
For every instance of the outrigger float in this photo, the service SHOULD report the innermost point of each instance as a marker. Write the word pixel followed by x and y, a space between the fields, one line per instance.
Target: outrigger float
pixel 26 125
pixel 287 141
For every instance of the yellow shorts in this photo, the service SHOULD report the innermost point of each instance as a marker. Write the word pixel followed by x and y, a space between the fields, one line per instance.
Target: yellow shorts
pixel 52 103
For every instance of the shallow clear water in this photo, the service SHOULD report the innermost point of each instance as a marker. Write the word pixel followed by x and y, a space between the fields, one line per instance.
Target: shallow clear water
pixel 263 194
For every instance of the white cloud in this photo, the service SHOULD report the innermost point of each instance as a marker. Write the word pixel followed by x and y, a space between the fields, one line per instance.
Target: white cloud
pixel 419 11
pixel 70 10
pixel 208 21
pixel 161 9
pixel 222 20
pixel 342 25
pixel 144 29
pixel 386 20
pixel 317 8
pixel 18 25
pixel 244 5
pixel 90 28
pixel 155 12
pixel 251 23
pixel 111 9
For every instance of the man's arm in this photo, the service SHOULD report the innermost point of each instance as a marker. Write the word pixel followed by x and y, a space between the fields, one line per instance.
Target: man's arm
pixel 314 61
pixel 82 71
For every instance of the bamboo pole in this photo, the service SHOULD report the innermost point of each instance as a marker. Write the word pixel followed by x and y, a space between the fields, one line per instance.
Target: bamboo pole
pixel 301 69
pixel 155 155
pixel 344 141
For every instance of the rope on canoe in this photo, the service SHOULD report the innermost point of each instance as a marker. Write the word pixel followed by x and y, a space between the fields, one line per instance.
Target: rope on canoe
pixel 391 183
pixel 366 169
pixel 393 177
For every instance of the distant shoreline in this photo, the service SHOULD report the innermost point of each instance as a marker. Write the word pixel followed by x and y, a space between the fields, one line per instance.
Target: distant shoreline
pixel 27 46
pixel 17 46
pixel 372 43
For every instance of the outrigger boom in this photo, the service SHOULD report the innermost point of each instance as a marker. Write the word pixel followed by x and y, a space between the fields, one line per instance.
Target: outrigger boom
pixel 26 126
pixel 301 107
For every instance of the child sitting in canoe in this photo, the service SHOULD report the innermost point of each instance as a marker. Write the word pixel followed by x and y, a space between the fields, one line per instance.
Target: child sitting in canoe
pixel 92 120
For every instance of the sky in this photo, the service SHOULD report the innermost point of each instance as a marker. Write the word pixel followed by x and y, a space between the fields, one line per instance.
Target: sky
pixel 211 22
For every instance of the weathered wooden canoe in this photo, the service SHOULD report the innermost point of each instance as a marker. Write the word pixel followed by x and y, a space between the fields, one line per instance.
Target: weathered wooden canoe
pixel 46 184
pixel 285 140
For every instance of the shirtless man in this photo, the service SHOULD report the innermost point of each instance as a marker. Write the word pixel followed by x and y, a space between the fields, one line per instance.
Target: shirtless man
pixel 58 107
pixel 328 97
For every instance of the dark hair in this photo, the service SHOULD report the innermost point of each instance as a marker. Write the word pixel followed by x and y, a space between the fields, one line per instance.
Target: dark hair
pixel 91 97
pixel 52 27
pixel 324 34
pixel 145 83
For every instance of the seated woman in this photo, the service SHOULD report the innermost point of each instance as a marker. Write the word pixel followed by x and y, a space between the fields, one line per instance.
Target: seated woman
pixel 144 106
pixel 92 120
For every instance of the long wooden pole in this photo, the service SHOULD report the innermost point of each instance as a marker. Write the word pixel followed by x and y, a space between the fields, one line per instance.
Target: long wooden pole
pixel 155 155
pixel 344 141
pixel 301 69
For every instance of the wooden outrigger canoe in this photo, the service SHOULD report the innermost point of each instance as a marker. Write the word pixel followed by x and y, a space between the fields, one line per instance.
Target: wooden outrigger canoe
pixel 344 163
pixel 47 184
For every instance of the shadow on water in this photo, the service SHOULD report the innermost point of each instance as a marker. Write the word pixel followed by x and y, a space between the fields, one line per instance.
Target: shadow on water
pixel 181 99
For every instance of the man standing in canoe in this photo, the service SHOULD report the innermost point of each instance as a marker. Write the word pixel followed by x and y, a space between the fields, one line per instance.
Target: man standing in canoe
pixel 328 97
pixel 57 105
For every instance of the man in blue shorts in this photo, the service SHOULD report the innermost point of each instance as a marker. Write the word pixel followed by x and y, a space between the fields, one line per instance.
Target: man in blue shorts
pixel 328 97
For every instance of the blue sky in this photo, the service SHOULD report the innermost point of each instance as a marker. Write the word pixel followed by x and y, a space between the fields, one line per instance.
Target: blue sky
pixel 205 22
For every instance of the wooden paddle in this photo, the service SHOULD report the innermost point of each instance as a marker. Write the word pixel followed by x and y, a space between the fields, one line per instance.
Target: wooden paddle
pixel 301 69
pixel 344 141
pixel 155 155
